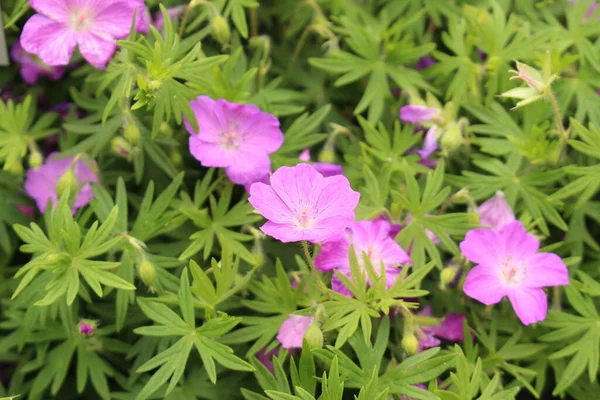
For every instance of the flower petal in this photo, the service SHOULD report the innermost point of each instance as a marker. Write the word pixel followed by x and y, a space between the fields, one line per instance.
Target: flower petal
pixel 483 285
pixel 265 200
pixel 530 304
pixel 51 41
pixel 286 233
pixel 210 154
pixel 546 269
pixel 333 254
pixel 294 185
pixel 115 19
pixel 248 167
pixel 482 246
pixel 57 10
pixel 291 332
pixel 96 50
pixel 517 242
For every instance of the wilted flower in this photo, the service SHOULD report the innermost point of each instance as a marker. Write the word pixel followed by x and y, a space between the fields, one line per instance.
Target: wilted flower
pixel 495 212
pixel 27 210
pixel 430 146
pixel 509 265
pixel 31 68
pixel 59 26
pixel 369 237
pixel 301 204
pixel 292 330
pixel 451 328
pixel 42 184
pixel 233 136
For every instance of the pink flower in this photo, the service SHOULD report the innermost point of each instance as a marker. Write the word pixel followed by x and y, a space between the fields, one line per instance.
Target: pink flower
pixel 236 137
pixel 266 358
pixel 370 237
pixel 414 114
pixel 292 331
pixel 451 328
pixel 325 169
pixel 41 183
pixel 509 265
pixel 31 68
pixel 301 204
pixel 93 25
pixel 495 212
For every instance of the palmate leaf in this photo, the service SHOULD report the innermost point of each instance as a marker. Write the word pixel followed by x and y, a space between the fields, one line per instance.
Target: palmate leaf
pixel 581 331
pixel 529 185
pixel 421 204
pixel 365 59
pixel 17 129
pixel 172 361
pixel 67 255
pixel 162 89
pixel 218 224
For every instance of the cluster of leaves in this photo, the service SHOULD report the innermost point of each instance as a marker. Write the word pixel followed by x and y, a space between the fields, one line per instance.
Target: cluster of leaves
pixel 187 295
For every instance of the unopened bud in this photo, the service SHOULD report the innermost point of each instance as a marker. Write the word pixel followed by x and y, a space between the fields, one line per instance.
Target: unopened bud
pixel 176 157
pixel 220 29
pixel 410 344
pixel 120 146
pixel 87 327
pixel 132 134
pixel 314 336
pixel 327 155
pixel 447 276
pixel 452 138
pixel 146 271
pixel 154 85
pixel 67 182
pixel 35 159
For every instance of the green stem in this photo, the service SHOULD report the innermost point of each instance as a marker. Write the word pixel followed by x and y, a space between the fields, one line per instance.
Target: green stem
pixel 311 266
pixel 556 298
pixel 561 128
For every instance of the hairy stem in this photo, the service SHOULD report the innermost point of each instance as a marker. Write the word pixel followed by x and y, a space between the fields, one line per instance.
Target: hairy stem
pixel 311 266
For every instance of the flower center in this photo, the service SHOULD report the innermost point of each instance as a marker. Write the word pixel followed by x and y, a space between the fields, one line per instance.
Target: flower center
pixel 304 217
pixel 512 272
pixel 230 140
pixel 80 20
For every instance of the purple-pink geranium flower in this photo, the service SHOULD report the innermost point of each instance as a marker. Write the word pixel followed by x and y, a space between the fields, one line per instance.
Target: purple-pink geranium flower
pixel 292 331
pixel 368 237
pixel 60 25
pixel 414 114
pixel 234 136
pixel 31 68
pixel 301 204
pixel 86 328
pixel 495 212
pixel 325 169
pixel 424 63
pixel 41 183
pixel 451 329
pixel 508 264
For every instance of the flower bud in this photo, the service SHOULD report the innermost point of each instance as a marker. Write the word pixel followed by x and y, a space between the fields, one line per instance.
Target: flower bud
pixel 176 157
pixel 67 182
pixel 220 29
pixel 452 138
pixel 447 276
pixel 87 327
pixel 410 344
pixel 314 336
pixel 327 155
pixel 132 134
pixel 35 159
pixel 120 146
pixel 146 271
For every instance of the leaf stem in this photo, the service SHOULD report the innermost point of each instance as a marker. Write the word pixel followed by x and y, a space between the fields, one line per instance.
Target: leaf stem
pixel 561 128
pixel 311 266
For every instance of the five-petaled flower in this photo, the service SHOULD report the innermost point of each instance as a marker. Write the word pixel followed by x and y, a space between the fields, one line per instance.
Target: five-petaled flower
pixel 370 238
pixel 60 25
pixel 508 264
pixel 301 204
pixel 237 137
